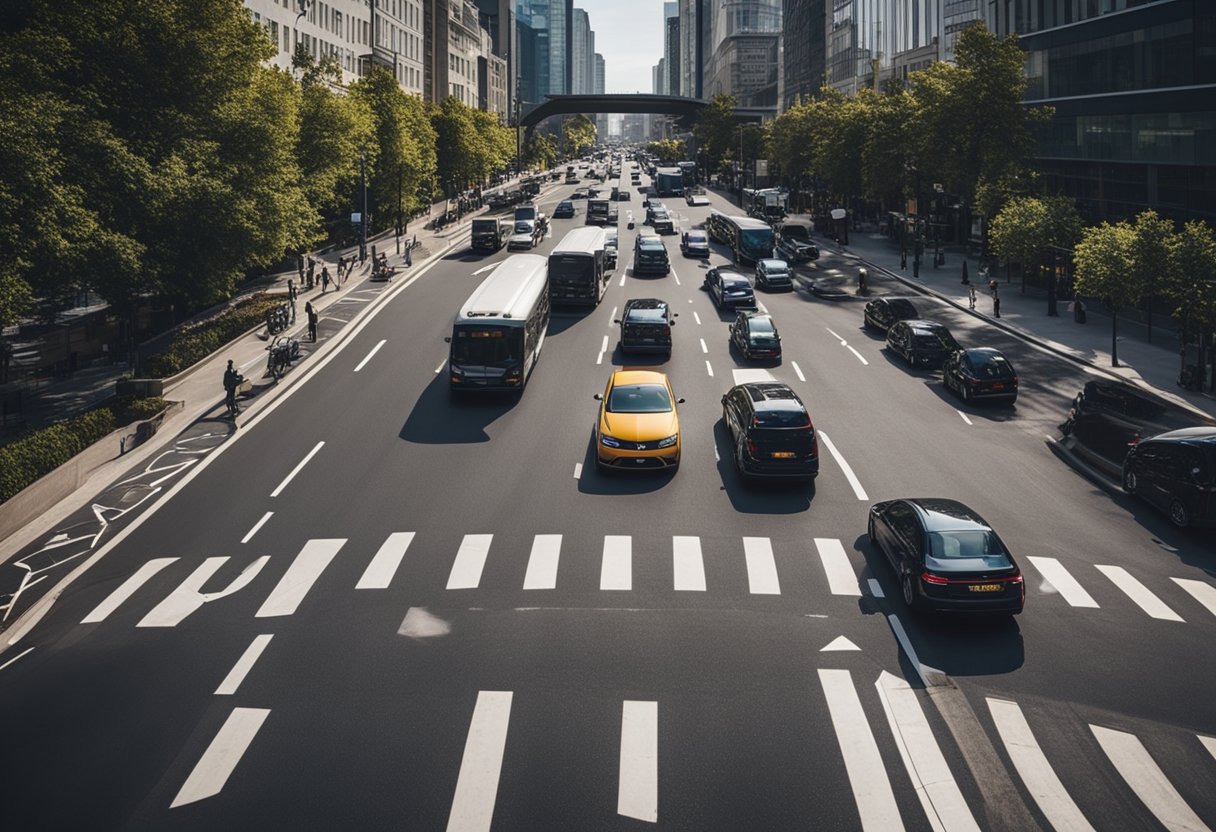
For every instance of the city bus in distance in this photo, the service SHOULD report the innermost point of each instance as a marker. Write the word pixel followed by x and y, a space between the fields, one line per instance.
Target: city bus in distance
pixel 578 273
pixel 750 239
pixel 689 173
pixel 498 332
pixel 669 181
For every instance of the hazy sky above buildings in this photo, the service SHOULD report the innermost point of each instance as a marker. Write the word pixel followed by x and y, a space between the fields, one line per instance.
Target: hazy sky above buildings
pixel 629 34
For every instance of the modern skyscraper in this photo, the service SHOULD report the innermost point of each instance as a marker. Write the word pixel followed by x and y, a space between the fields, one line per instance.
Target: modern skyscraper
pixel 580 59
pixel 532 51
pixel 498 18
pixel 742 58
pixel 803 24
pixel 601 119
pixel 894 37
pixel 691 41
pixel 671 45
pixel 561 46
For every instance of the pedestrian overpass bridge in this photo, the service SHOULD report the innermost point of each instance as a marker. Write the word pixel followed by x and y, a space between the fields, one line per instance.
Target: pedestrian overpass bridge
pixel 684 109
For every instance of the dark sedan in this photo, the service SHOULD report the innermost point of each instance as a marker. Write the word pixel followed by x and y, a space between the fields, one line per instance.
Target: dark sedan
pixel 946 557
pixel 771 432
pixel 756 336
pixel 564 210
pixel 882 312
pixel 694 244
pixel 921 343
pixel 980 373
pixel 730 289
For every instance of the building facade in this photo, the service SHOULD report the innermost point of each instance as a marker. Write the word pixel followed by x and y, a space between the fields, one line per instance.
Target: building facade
pixel 803 43
pixel 532 51
pixel 865 37
pixel 561 46
pixel 601 119
pixel 498 18
pixel 671 46
pixel 742 58
pixel 581 60
pixel 455 48
pixel 690 47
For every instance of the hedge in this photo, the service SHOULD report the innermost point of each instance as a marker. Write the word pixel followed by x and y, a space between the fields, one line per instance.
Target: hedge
pixel 197 341
pixel 30 457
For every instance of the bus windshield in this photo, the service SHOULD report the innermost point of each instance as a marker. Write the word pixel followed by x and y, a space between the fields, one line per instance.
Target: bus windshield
pixel 757 242
pixel 494 346
pixel 571 269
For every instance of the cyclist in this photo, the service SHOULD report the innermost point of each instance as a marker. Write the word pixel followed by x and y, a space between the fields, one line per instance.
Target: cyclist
pixel 232 380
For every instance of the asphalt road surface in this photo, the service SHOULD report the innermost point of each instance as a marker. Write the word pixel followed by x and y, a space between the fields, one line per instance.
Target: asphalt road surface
pixel 381 607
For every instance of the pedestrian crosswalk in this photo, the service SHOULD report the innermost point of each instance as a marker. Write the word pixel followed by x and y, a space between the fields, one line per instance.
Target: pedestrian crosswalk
pixel 818 567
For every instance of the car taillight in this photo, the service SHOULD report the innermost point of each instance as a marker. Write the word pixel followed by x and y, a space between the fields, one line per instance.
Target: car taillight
pixel 814 446
pixel 974 382
pixel 753 449
pixel 930 578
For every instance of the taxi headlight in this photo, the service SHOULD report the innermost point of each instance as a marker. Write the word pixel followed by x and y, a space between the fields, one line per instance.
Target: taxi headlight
pixel 669 441
pixel 610 441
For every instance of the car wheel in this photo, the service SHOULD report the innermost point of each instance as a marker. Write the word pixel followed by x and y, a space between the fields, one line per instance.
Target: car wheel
pixel 1130 482
pixel 743 477
pixel 1179 515
pixel 966 393
pixel 909 593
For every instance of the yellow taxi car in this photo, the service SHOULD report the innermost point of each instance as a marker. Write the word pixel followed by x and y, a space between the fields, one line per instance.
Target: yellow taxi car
pixel 638 428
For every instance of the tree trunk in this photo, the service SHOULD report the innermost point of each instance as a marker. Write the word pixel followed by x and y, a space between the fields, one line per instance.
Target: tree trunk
pixel 1114 337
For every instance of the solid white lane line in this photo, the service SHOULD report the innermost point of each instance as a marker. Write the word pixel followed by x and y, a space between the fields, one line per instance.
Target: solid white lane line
pixel 875 588
pixel 798 370
pixel 860 357
pixel 470 560
pixel 832 332
pixel 14 658
pixel 225 751
pixel 1063 582
pixel 704 346
pixel 477 783
pixel 761 566
pixel 762 307
pixel 297 469
pixel 901 635
pixel 964 415
pixel 638 783
pixel 709 368
pixel 249 535
pixel 928 770
pixel 745 375
pixel 299 577
pixel 612 318
pixel 384 564
pixel 1137 767
pixel 484 269
pixel 616 570
pixel 243 665
pixel 542 563
pixel 687 565
pixel 1208 742
pixel 439 369
pixel 126 589
pixel 1034 769
pixel 676 276
pixel 368 357
pixel 696 317
pixel 1202 592
pixel 844 466
pixel 841 578
pixel 1139 593
pixel 622 283
pixel 578 470
pixel 862 760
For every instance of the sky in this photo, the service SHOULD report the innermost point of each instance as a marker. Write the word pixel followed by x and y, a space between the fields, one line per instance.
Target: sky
pixel 629 34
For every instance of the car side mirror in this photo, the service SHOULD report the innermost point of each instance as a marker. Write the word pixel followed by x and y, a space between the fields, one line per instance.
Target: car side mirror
pixel 447 339
pixel 598 397
pixel 616 320
pixel 679 401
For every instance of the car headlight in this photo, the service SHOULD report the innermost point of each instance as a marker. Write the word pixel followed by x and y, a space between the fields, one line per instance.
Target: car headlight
pixel 669 441
pixel 610 441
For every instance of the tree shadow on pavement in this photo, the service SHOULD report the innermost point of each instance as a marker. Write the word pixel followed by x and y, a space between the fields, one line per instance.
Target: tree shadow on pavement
pixel 443 417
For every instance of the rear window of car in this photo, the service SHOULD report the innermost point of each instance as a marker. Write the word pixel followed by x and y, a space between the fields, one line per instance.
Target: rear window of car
pixel 695 237
pixel 761 326
pixel 646 316
pixel 978 543
pixel 735 282
pixel 782 417
pixel 995 366
pixel 649 243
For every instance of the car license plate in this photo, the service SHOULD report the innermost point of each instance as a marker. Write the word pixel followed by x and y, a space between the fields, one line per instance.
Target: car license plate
pixel 984 587
pixel 998 387
pixel 783 454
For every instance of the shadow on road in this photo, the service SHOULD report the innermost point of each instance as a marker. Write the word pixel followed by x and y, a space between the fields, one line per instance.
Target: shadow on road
pixel 614 483
pixel 781 497
pixel 442 417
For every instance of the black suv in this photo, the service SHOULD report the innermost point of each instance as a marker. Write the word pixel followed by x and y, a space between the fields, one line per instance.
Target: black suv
pixel 921 343
pixel 650 256
pixel 646 326
pixel 728 288
pixel 1176 471
pixel 981 373
pixel 771 431
pixel 792 242
pixel 882 312
pixel 755 336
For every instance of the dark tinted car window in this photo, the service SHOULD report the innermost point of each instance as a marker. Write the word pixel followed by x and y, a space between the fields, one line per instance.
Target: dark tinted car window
pixel 646 316
pixel 964 544
pixel 762 326
pixel 934 340
pixel 784 417
pixel 795 232
pixel 994 366
pixel 901 308
pixel 734 282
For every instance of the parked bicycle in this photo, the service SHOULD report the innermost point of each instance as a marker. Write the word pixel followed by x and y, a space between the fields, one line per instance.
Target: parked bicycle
pixel 280 353
pixel 278 319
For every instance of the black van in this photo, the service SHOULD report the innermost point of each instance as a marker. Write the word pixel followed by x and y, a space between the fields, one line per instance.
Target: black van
pixel 1176 471
pixel 646 326
pixel 489 234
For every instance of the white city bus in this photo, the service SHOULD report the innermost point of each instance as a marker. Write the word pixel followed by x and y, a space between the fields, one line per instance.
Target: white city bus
pixel 578 273
pixel 498 333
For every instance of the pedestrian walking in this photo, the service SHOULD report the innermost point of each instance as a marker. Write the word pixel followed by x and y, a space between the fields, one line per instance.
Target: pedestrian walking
pixel 312 265
pixel 324 279
pixel 971 297
pixel 1078 311
pixel 300 266
pixel 992 285
pixel 409 258
pixel 966 277
pixel 291 297
pixel 903 259
pixel 341 266
pixel 996 306
pixel 312 321
pixel 232 380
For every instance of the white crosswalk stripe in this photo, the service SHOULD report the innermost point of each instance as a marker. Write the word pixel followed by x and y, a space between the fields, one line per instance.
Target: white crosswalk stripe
pixel 470 560
pixel 638 778
pixel 126 589
pixel 687 565
pixel 616 570
pixel 304 571
pixel 542 563
pixel 1063 582
pixel 477 784
pixel 842 580
pixel 1138 769
pixel 1139 593
pixel 761 567
pixel 219 760
pixel 1203 593
pixel 379 573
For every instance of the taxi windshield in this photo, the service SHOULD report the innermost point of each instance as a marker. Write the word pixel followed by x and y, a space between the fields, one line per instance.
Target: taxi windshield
pixel 639 398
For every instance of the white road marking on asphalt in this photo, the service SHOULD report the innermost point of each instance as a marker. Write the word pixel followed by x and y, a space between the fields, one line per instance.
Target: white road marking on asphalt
pixel 1137 767
pixel 603 349
pixel 188 598
pixel 439 369
pixel 798 370
pixel 384 564
pixel 704 346
pixel 762 307
pixel 622 283
pixel 1062 581
pixel 860 357
pixel 1208 742
pixel 1203 593
pixel 862 760
pixel 225 751
pixel 14 658
pixel 709 368
pixel 299 577
pixel 964 415
pixel 832 332
pixel 470 560
pixel 939 794
pixel 638 784
pixel 716 457
pixel 761 567
pixel 901 635
pixel 612 318
pixel 542 563
pixel 875 588
pixel 368 357
pixel 249 535
pixel 744 375
pixel 477 783
pixel 419 622
pixel 696 317
pixel 688 567
pixel 126 589
pixel 578 470
pixel 1036 772
pixel 243 665
pixel 839 644
pixel 1139 593
pixel 844 466
pixel 484 269
pixel 616 570
pixel 296 470
pixel 841 578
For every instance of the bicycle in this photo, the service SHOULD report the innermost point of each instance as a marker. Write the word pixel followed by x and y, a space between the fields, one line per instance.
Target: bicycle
pixel 280 353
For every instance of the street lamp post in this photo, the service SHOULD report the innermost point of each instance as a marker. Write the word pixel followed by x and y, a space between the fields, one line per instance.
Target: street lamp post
pixel 363 216
pixel 740 165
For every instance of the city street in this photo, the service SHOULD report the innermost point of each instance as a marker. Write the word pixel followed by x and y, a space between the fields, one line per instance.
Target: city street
pixel 379 605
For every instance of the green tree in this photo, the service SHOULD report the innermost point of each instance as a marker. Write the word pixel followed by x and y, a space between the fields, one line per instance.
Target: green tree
pixel 540 151
pixel 668 151
pixel 716 130
pixel 885 153
pixel 1152 243
pixel 459 146
pixel 1029 229
pixel 1191 281
pixel 578 133
pixel 1103 261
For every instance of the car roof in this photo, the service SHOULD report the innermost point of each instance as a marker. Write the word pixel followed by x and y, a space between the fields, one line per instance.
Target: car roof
pixel 920 323
pixel 943 514
pixel 733 276
pixel 650 240
pixel 772 395
pixel 898 303
pixel 645 303
pixel 1189 435
pixel 773 263
pixel 638 377
pixel 757 316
